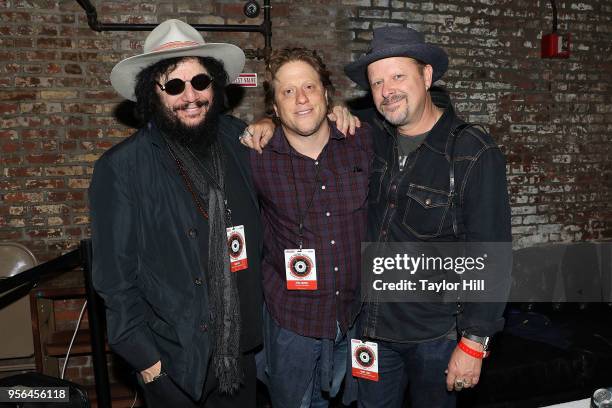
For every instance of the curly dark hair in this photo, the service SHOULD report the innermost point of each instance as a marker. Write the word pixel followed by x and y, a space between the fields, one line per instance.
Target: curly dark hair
pixel 278 58
pixel 146 96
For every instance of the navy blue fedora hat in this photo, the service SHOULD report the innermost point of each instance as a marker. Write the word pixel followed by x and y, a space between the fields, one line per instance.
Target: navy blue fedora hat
pixel 397 42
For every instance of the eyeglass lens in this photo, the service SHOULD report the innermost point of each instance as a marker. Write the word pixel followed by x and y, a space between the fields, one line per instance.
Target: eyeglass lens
pixel 176 86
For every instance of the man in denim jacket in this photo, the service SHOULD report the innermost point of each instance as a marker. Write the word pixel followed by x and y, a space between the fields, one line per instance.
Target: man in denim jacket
pixel 411 200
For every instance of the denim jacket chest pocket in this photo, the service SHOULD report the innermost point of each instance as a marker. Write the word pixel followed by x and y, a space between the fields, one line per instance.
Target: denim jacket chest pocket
pixel 426 210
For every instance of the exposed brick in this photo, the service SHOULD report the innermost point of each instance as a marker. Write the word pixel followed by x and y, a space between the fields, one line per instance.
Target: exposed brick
pixel 21 197
pixel 44 184
pixel 17 95
pixel 41 108
pixel 44 158
pixel 58 95
pixel 78 183
pixel 373 13
pixel 54 43
pixel 45 233
pixel 64 171
pixel 23 172
pixel 39 133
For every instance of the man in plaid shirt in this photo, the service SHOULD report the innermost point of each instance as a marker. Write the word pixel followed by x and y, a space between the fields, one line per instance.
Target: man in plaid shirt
pixel 312 184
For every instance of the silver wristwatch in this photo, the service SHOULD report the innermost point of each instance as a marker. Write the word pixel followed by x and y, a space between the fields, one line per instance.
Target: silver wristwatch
pixel 484 341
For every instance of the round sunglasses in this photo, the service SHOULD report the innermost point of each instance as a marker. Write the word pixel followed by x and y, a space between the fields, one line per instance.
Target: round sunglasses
pixel 176 86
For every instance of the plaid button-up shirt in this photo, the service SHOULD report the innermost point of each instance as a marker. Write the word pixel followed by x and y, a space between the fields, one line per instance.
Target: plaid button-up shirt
pixel 334 226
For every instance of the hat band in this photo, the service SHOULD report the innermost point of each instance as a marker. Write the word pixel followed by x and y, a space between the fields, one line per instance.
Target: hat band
pixel 175 44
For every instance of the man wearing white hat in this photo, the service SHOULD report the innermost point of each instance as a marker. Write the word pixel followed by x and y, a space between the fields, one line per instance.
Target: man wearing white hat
pixel 175 228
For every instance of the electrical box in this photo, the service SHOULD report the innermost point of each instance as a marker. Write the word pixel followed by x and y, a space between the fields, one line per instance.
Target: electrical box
pixel 555 45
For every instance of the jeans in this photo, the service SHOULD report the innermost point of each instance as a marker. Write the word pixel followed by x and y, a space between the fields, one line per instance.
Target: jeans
pixel 421 366
pixel 295 366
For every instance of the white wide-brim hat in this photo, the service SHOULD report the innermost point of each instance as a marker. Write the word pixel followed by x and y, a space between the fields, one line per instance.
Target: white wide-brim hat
pixel 170 39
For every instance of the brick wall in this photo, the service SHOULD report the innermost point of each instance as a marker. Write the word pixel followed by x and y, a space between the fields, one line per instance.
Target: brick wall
pixel 553 118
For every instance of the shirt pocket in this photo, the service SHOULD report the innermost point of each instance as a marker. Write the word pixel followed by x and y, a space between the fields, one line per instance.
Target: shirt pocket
pixel 377 174
pixel 426 211
pixel 352 188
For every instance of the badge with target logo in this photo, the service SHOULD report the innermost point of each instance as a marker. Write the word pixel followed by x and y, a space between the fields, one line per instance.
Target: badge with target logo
pixel 236 247
pixel 301 269
pixel 364 359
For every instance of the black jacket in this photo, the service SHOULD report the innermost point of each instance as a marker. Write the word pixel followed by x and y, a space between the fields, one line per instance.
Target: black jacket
pixel 414 205
pixel 150 254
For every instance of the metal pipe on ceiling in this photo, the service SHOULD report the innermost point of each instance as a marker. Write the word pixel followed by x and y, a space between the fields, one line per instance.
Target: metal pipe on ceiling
pixel 265 28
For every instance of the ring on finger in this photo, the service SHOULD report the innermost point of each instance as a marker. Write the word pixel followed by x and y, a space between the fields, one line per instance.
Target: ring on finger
pixel 244 134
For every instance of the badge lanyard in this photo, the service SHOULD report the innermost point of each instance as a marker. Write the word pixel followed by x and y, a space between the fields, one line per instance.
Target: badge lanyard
pixel 301 263
pixel 302 216
pixel 236 237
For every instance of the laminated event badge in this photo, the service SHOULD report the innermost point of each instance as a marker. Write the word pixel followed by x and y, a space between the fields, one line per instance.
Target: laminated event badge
pixel 364 359
pixel 301 269
pixel 236 246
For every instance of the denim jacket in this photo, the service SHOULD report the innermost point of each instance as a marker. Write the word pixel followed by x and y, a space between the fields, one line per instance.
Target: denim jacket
pixel 415 205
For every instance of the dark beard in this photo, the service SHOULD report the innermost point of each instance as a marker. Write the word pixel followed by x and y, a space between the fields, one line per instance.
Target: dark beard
pixel 198 137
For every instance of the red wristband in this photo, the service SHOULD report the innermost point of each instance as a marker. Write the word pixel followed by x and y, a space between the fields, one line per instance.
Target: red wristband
pixel 471 352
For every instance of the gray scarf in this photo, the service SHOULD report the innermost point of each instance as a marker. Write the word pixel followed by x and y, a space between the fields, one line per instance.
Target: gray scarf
pixel 204 178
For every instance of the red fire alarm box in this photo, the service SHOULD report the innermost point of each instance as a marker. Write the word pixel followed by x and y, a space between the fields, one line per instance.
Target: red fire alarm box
pixel 556 45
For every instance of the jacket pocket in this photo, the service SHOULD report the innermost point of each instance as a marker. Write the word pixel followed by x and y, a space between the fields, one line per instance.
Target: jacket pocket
pixel 377 175
pixel 169 345
pixel 426 210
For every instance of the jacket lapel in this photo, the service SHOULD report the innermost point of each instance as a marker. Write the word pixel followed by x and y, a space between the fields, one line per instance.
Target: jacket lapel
pixel 157 141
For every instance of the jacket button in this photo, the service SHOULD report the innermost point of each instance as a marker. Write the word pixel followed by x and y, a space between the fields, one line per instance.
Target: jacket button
pixel 393 187
pixel 428 201
pixel 198 281
pixel 392 205
pixel 192 232
pixel 203 327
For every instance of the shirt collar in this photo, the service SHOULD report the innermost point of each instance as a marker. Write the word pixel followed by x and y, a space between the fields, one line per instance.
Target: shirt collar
pixel 438 135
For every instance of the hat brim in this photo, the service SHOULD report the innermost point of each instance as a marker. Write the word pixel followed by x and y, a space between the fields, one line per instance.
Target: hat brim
pixel 123 75
pixel 435 56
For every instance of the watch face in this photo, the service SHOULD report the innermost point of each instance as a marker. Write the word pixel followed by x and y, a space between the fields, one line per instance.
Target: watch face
pixel 482 340
pixel 602 395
